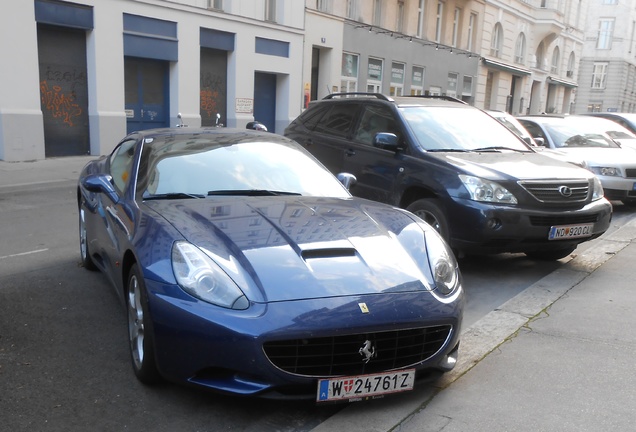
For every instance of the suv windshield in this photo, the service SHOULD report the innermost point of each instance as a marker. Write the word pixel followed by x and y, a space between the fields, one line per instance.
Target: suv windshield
pixel 458 129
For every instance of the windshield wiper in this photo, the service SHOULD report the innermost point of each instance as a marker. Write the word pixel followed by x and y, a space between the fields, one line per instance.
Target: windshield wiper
pixel 250 192
pixel 447 150
pixel 497 148
pixel 173 195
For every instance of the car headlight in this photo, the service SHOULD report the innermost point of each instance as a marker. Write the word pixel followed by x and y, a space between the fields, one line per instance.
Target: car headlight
pixel 606 171
pixel 597 189
pixel 443 264
pixel 201 277
pixel 486 190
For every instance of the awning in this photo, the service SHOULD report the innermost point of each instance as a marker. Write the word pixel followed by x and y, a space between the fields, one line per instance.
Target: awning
pixel 515 70
pixel 565 83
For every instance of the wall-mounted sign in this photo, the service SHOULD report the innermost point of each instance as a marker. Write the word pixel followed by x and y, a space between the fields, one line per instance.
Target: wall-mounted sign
pixel 244 105
pixel 130 113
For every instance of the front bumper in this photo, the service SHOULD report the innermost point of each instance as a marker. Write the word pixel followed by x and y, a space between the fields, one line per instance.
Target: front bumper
pixel 488 228
pixel 222 350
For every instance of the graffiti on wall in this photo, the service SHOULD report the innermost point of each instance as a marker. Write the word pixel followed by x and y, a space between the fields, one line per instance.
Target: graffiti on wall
pixel 59 104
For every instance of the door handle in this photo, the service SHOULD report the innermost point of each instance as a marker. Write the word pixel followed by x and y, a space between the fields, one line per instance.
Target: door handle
pixel 350 152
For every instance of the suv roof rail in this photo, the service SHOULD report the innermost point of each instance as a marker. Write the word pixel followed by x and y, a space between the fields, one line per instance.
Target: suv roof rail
pixel 376 95
pixel 441 97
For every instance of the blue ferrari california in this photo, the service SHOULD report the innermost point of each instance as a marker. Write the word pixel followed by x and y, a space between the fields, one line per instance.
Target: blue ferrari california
pixel 247 268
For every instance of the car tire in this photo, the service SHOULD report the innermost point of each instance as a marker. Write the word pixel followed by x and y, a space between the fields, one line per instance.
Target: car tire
pixel 429 210
pixel 85 255
pixel 140 336
pixel 551 254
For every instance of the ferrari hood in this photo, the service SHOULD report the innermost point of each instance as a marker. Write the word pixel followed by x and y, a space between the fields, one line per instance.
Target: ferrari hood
pixel 290 248
pixel 509 165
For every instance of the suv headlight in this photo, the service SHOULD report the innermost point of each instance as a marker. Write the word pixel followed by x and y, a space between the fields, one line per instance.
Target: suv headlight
pixel 486 190
pixel 597 189
pixel 606 171
pixel 201 277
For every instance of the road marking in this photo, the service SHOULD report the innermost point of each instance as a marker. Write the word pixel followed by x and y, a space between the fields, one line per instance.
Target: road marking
pixel 23 253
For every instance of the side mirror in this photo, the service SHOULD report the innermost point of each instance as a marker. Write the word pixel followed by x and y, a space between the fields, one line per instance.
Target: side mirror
pixel 540 141
pixel 100 183
pixel 386 141
pixel 347 179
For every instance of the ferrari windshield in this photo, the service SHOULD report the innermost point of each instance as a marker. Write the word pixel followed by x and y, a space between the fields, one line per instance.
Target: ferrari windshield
pixel 459 129
pixel 202 166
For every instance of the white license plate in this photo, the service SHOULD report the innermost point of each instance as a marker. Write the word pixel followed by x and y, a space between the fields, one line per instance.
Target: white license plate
pixel 563 232
pixel 364 386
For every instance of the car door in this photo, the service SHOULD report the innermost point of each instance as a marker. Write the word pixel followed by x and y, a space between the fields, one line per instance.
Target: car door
pixel 115 225
pixel 377 170
pixel 331 134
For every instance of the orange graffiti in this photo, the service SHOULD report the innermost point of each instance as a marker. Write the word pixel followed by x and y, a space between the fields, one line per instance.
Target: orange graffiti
pixel 59 104
pixel 208 101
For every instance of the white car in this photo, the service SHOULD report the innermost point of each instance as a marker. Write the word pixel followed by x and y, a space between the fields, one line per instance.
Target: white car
pixel 581 137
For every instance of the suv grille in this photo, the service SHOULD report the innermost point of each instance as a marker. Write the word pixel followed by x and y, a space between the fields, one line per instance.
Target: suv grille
pixel 560 192
pixel 334 356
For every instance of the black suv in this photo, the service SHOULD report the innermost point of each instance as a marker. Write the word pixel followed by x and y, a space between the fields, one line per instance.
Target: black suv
pixel 459 169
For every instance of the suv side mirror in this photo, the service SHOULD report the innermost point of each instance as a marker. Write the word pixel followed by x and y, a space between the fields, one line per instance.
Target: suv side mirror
pixel 386 141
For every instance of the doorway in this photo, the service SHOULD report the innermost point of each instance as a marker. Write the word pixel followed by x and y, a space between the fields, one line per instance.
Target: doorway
pixel 265 99
pixel 146 83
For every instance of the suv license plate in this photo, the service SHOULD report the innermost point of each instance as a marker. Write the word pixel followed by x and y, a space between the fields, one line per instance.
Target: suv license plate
pixel 562 232
pixel 358 387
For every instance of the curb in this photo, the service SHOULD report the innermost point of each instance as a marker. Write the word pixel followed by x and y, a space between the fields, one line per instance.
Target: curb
pixel 483 337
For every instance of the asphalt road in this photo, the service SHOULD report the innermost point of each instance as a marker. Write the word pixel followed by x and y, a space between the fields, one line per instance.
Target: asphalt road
pixel 64 362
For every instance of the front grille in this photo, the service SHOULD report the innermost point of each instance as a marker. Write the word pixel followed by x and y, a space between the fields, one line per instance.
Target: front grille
pixel 563 220
pixel 339 355
pixel 556 191
pixel 630 173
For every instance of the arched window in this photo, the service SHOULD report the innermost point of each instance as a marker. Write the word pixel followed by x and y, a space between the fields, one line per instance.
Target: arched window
pixel 571 63
pixel 520 49
pixel 556 58
pixel 540 53
pixel 497 40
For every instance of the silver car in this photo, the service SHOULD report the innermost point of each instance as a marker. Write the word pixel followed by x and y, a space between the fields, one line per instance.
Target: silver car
pixel 581 137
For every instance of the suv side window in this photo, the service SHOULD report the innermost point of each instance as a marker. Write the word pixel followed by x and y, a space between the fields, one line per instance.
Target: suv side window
pixel 338 120
pixel 375 119
pixel 311 117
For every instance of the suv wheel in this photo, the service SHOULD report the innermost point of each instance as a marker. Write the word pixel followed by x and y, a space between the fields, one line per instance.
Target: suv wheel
pixel 431 212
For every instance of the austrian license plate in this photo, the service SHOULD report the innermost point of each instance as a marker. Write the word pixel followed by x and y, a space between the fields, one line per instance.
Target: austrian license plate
pixel 563 232
pixel 360 387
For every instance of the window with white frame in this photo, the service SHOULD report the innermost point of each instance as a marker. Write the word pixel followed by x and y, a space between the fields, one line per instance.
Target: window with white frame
pixel 421 15
pixel 374 75
pixel 417 81
pixel 435 91
pixel 323 5
pixel 451 89
pixel 496 41
pixel 605 33
pixel 467 87
pixel 438 21
pixel 215 4
pixel 352 9
pixel 456 24
pixel 556 58
pixel 399 25
pixel 520 49
pixel 599 75
pixel 349 73
pixel 270 10
pixel 571 64
pixel 377 13
pixel 397 79
pixel 472 22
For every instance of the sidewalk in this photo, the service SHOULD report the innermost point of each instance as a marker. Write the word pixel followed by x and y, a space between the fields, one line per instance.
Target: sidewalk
pixel 560 356
pixel 49 170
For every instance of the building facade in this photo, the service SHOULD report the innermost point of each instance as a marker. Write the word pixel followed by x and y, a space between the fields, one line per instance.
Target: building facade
pixel 87 72
pixel 607 77
pixel 530 53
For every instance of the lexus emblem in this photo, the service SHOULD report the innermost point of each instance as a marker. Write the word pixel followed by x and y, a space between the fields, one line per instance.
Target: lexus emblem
pixel 565 191
pixel 367 351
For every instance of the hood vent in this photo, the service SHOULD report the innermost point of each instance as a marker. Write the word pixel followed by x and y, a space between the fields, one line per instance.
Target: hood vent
pixel 328 253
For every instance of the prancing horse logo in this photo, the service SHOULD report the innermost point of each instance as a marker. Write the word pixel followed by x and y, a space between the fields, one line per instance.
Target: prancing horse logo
pixel 367 351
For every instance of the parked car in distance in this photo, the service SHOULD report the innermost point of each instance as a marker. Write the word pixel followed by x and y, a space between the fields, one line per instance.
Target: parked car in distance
pixel 460 170
pixel 622 135
pixel 585 138
pixel 509 121
pixel 247 268
pixel 627 120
